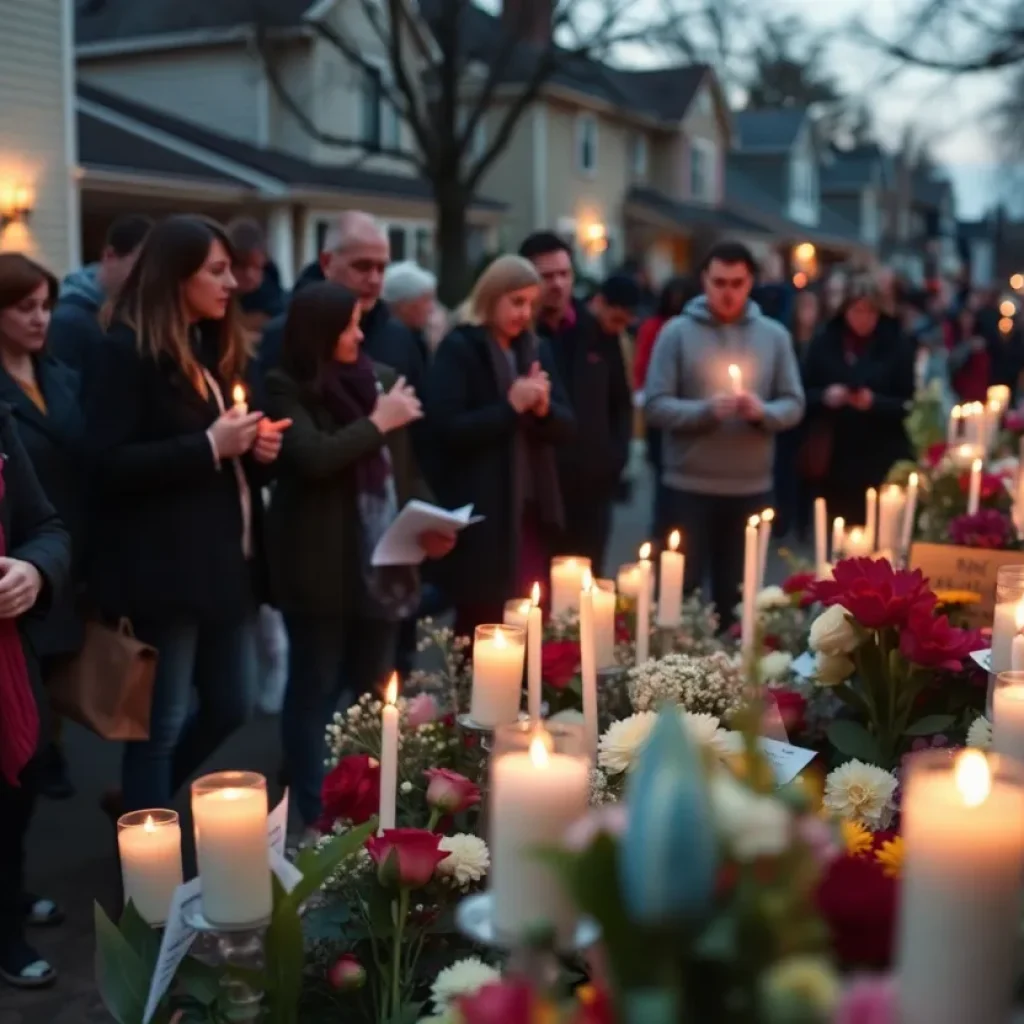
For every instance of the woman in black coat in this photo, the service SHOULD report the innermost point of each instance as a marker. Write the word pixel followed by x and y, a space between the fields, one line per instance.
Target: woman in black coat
pixel 495 411
pixel 859 380
pixel 176 539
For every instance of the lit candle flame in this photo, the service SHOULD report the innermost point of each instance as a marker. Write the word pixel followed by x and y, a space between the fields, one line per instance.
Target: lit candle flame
pixel 734 373
pixel 539 751
pixel 856 533
pixel 964 450
pixel 524 607
pixel 587 581
pixel 957 412
pixel 238 394
pixel 231 794
pixel 767 515
pixel 754 521
pixel 391 693
pixel 645 552
pixel 976 466
pixel 535 595
pixel 500 640
pixel 674 539
pixel 973 777
pixel 839 523
pixel 148 825
pixel 912 479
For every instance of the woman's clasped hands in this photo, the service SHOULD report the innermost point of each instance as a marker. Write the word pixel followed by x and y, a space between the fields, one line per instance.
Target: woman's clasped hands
pixel 234 433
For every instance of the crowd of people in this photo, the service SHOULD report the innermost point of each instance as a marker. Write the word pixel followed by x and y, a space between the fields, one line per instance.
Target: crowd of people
pixel 137 485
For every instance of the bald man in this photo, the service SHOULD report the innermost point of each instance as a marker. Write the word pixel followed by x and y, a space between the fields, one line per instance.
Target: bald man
pixel 356 254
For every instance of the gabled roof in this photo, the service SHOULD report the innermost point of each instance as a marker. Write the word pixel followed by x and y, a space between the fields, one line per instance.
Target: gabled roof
pixel 689 214
pixel 852 170
pixel 769 131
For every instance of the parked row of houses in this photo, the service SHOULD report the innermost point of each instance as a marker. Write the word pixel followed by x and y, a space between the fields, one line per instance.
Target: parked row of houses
pixel 108 106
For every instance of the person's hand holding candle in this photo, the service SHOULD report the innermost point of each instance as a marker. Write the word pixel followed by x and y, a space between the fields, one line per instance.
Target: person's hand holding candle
pixel 269 438
pixel 724 405
pixel 750 407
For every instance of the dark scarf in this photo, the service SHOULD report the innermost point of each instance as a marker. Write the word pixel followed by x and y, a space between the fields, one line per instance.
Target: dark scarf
pixel 350 391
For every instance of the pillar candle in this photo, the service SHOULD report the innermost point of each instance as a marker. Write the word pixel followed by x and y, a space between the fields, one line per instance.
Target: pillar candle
pixel 605 600
pixel 974 494
pixel 566 582
pixel 838 537
pixel 764 537
pixel 820 537
pixel 1017 653
pixel 535 796
pixel 1008 711
pixel 229 810
pixel 909 512
pixel 890 506
pixel 871 519
pixel 735 379
pixel 389 755
pixel 149 844
pixel 959 919
pixel 749 584
pixel 856 543
pixel 534 654
pixel 670 584
pixel 643 606
pixel 517 612
pixel 588 665
pixel 1004 629
pixel 953 426
pixel 498 655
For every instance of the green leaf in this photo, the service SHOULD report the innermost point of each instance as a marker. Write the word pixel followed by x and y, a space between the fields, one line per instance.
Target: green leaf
pixel 853 740
pixel 929 725
pixel 121 976
pixel 140 936
pixel 285 957
pixel 318 864
pixel 199 982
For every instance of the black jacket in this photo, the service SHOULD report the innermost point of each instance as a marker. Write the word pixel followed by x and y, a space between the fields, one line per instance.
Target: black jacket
pixel 167 531
pixel 471 431
pixel 55 442
pixel 593 374
pixel 75 333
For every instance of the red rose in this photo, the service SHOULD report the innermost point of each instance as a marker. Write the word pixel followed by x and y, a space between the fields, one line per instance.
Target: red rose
pixel 449 791
pixel 559 662
pixel 405 857
pixel 772 643
pixel 929 640
pixel 859 905
pixel 503 1002
pixel 351 791
pixel 991 485
pixel 623 634
pixel 798 582
pixel 792 709
pixel 1014 421
pixel 874 593
pixel 595 1006
pixel 934 454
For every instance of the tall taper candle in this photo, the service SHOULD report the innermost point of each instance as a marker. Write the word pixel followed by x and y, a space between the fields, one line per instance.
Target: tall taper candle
pixel 749 584
pixel 909 512
pixel 974 494
pixel 820 537
pixel 605 602
pixel 838 536
pixel 533 655
pixel 890 506
pixel 588 664
pixel 670 583
pixel 871 520
pixel 764 537
pixel 389 755
pixel 643 606
pixel 953 427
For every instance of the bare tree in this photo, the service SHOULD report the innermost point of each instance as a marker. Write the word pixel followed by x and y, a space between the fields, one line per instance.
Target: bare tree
pixel 450 66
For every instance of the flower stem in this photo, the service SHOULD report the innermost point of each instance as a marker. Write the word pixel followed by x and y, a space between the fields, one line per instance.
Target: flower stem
pixel 396 952
pixel 435 817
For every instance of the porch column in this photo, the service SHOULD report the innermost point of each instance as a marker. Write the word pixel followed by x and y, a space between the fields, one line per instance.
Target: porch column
pixel 281 242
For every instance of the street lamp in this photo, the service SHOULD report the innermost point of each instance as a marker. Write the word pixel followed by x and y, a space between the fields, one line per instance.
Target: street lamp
pixel 1017 282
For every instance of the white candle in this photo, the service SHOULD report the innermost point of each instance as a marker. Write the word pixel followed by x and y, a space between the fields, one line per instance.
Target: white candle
pixel 1004 629
pixel 149 843
pixel 993 413
pixel 566 582
pixel 890 506
pixel 856 543
pixel 963 833
pixel 735 379
pixel 605 601
pixel 498 656
pixel 229 810
pixel 536 795
pixel 1017 653
pixel 838 537
pixel 627 581
pixel 749 585
pixel 389 755
pixel 909 512
pixel 588 665
pixel 999 395
pixel 820 537
pixel 953 426
pixel 533 655
pixel 871 519
pixel 670 584
pixel 238 397
pixel 643 606
pixel 764 537
pixel 974 494
pixel 517 612
pixel 1008 711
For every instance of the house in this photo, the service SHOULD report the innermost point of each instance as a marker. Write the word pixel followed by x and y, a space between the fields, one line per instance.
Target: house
pixel 979 250
pixel 179 111
pixel 854 185
pixel 38 191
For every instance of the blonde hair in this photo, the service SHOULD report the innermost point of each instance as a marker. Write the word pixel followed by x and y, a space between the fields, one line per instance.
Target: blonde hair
pixel 506 274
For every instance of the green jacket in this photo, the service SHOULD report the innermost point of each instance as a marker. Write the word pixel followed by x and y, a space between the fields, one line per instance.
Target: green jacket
pixel 313 528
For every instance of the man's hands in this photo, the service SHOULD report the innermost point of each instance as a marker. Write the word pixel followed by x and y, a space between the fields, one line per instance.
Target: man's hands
pixel 20 584
pixel 746 405
pixel 836 396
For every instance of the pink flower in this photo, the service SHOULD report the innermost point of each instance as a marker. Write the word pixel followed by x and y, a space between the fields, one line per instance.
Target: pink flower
pixel 819 837
pixel 450 792
pixel 422 710
pixel 346 974
pixel 874 593
pixel 503 1002
pixel 869 1000
pixel 611 820
pixel 405 857
pixel 987 529
pixel 929 640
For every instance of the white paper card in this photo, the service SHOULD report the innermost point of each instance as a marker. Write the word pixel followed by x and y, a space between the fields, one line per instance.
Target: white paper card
pixel 787 761
pixel 175 944
pixel 400 544
pixel 287 873
pixel 772 724
pixel 805 666
pixel 983 659
pixel 277 826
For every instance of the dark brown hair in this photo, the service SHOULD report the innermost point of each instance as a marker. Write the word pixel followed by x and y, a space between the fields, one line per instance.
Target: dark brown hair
pixel 150 300
pixel 20 277
pixel 317 316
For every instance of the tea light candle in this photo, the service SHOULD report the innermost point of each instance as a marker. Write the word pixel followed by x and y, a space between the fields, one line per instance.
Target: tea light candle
pixel 670 583
pixel 389 755
pixel 149 844
pixel 1008 711
pixel 749 584
pixel 229 810
pixel 238 397
pixel 871 519
pixel 963 833
pixel 974 493
pixel 998 395
pixel 643 606
pixel 909 512
pixel 533 655
pixel 820 537
pixel 838 537
pixel 498 656
pixel 566 582
pixel 735 379
pixel 517 612
pixel 764 537
pixel 953 426
pixel 588 665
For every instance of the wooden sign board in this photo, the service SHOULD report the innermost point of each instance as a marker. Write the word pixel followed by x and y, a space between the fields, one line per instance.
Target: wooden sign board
pixel 950 567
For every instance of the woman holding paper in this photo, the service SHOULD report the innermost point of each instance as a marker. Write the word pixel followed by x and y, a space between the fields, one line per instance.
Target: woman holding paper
pixel 346 469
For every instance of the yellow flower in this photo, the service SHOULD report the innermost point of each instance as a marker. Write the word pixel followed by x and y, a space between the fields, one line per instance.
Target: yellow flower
pixel 957 597
pixel 856 838
pixel 890 856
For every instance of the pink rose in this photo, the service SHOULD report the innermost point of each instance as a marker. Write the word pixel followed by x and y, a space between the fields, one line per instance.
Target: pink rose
pixel 346 974
pixel 405 857
pixel 611 820
pixel 450 792
pixel 869 1000
pixel 422 710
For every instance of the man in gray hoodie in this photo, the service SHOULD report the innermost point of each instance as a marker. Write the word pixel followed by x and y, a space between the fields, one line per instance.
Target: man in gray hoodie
pixel 723 380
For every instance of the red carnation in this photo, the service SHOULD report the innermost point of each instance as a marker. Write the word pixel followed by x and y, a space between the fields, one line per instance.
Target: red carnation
pixel 798 582
pixel 559 662
pixel 991 485
pixel 503 1002
pixel 351 791
pixel 859 902
pixel 874 593
pixel 1014 421
pixel 792 709
pixel 934 454
pixel 930 641
pixel 406 857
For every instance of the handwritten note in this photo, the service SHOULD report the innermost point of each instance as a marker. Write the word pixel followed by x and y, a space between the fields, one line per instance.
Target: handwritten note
pixel 805 666
pixel 951 567
pixel 787 761
pixel 983 659
pixel 176 942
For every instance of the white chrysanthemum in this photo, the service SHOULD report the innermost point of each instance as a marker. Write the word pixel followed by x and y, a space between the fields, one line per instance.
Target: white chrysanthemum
pixel 832 669
pixel 468 859
pixel 832 632
pixel 775 665
pixel 463 978
pixel 706 730
pixel 772 597
pixel 861 792
pixel 570 716
pixel 980 733
pixel 751 824
pixel 619 746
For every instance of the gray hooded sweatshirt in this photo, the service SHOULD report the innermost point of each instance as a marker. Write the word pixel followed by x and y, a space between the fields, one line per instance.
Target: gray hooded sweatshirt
pixel 690 364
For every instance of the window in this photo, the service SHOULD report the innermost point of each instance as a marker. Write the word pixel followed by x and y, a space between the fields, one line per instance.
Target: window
pixel 396 239
pixel 586 144
pixel 638 157
pixel 703 172
pixel 424 251
pixel 391 125
pixel 371 109
pixel 869 218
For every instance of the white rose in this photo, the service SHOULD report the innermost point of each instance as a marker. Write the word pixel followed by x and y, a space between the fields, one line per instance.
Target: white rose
pixel 775 665
pixel 832 632
pixel 752 825
pixel 832 669
pixel 463 978
pixel 772 597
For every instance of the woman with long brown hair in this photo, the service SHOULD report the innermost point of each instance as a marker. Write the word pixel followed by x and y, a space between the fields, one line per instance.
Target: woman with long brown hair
pixel 179 466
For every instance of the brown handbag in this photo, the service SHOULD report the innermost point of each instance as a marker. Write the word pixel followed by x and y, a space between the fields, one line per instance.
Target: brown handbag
pixel 108 685
pixel 814 457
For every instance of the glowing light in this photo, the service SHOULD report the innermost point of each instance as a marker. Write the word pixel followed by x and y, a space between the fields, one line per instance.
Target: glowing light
pixel 587 583
pixel 674 539
pixel 535 595
pixel 799 279
pixel 391 694
pixel 768 515
pixel 539 752
pixel 1017 282
pixel 148 825
pixel 1008 307
pixel 1006 325
pixel 805 252
pixel 645 551
pixel 973 777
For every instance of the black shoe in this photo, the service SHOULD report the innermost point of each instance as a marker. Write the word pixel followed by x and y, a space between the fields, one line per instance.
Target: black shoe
pixel 53 777
pixel 22 967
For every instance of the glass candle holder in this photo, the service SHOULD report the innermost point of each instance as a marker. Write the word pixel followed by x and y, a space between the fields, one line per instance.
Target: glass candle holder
pixel 229 810
pixel 1009 602
pixel 540 786
pixel 498 658
pixel 567 572
pixel 962 873
pixel 517 612
pixel 1008 714
pixel 149 845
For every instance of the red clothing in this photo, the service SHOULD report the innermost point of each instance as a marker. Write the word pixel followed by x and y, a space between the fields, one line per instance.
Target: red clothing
pixel 971 381
pixel 645 339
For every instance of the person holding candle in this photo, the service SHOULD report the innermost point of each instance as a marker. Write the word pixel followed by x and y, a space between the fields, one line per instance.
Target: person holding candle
pixel 495 413
pixel 346 469
pixel 718 445
pixel 177 525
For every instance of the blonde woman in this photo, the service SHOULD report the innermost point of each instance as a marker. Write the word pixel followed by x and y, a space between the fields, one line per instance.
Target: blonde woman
pixel 496 410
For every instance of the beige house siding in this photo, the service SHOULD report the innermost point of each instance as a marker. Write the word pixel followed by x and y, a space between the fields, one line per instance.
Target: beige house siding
pixel 510 179
pixel 702 122
pixel 293 65
pixel 34 128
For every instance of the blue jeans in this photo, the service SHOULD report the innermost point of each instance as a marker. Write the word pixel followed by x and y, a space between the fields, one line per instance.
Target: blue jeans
pixel 328 662
pixel 218 662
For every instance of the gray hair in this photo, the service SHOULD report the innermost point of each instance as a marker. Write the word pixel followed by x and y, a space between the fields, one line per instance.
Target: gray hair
pixel 407 280
pixel 351 228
